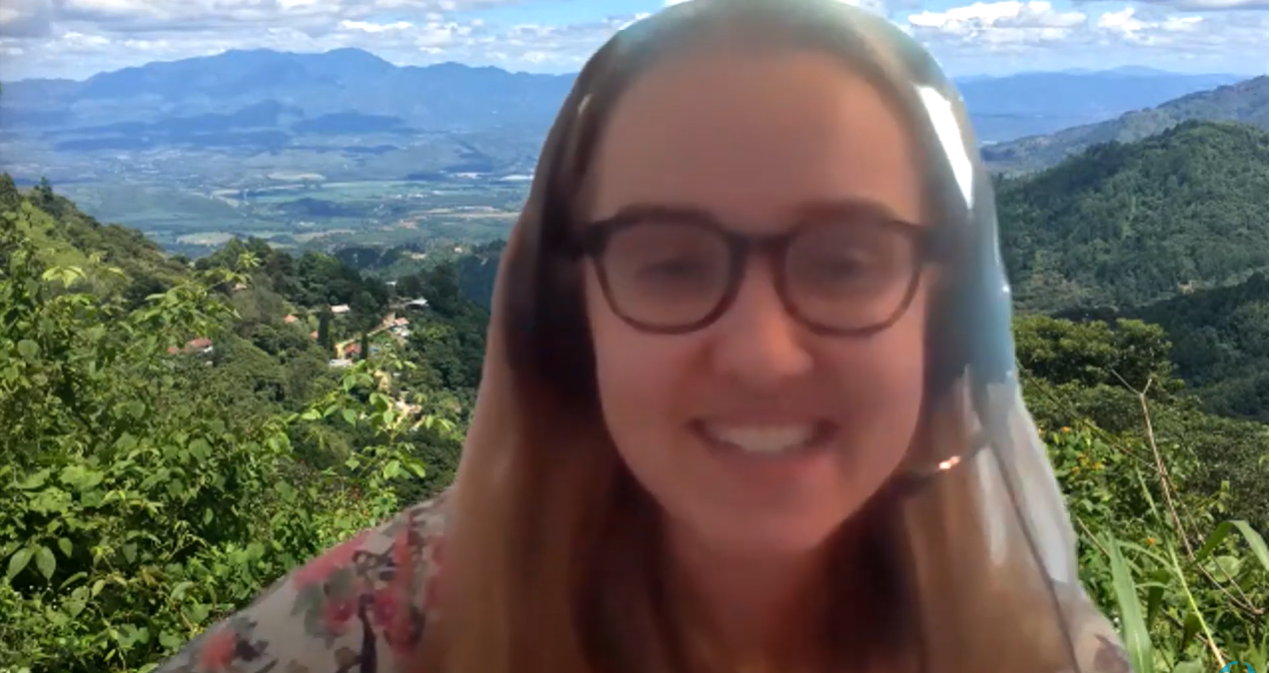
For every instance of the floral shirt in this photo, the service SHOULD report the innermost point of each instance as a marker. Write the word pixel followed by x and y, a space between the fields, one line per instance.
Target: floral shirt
pixel 362 607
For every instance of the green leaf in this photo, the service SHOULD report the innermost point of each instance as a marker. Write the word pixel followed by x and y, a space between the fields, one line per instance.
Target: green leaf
pixel 130 552
pixel 45 562
pixel 1191 627
pixel 34 480
pixel 199 448
pixel 1134 630
pixel 392 469
pixel 28 349
pixel 18 562
pixel 197 613
pixel 75 604
pixel 350 416
pixel 1251 536
pixel 65 545
pixel 178 591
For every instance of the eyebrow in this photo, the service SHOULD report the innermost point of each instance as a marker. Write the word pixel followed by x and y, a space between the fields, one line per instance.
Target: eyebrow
pixel 808 210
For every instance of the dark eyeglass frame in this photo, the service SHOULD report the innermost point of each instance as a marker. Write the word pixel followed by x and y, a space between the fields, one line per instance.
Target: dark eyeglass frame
pixel 931 244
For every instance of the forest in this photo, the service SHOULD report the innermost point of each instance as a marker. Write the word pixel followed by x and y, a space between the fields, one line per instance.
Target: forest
pixel 178 434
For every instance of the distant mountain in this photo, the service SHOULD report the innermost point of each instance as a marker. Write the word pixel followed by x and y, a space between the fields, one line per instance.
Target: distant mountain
pixel 353 91
pixel 351 82
pixel 1244 102
pixel 1036 103
pixel 1124 225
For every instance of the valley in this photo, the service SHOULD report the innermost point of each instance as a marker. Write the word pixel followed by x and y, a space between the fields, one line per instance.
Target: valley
pixel 312 213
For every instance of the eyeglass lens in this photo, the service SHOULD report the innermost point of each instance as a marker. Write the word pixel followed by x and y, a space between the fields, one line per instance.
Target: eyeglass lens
pixel 840 275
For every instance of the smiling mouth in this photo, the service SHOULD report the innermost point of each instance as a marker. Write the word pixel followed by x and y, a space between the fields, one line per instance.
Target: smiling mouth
pixel 765 440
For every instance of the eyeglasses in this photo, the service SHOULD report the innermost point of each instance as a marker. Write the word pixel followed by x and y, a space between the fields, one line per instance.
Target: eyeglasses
pixel 850 271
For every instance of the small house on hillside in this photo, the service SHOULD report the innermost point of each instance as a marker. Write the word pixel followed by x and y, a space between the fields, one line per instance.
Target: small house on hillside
pixel 353 349
pixel 419 304
pixel 340 309
pixel 200 345
pixel 290 319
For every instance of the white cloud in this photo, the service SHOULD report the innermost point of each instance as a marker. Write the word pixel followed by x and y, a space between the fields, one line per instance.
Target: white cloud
pixel 1038 30
pixel 368 27
pixel 998 25
pixel 879 6
pixel 1124 25
pixel 78 37
pixel 1205 5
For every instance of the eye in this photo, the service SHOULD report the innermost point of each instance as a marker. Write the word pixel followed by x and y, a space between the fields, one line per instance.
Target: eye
pixel 685 266
pixel 845 264
pixel 662 254
pixel 850 257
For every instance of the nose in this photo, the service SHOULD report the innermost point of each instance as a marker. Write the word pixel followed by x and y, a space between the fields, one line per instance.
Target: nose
pixel 757 344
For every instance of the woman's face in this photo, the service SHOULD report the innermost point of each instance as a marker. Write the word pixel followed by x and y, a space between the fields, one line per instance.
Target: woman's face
pixel 754 434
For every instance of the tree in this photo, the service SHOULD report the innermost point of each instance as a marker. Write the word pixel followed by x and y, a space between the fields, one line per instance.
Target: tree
pixel 10 198
pixel 324 328
pixel 440 285
pixel 1128 352
pixel 43 195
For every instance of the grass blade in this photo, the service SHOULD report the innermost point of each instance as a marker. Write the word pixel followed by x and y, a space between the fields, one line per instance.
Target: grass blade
pixel 1251 536
pixel 1133 627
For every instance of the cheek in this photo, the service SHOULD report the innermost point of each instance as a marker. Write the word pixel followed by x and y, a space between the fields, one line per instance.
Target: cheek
pixel 882 381
pixel 637 375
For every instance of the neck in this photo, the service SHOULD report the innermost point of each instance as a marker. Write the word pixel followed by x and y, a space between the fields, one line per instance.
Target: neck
pixel 757 605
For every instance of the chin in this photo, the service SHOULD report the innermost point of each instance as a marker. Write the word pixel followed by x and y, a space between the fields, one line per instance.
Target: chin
pixel 775 535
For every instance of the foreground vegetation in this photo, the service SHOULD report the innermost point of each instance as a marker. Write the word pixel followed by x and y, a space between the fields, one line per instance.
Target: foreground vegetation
pixel 148 487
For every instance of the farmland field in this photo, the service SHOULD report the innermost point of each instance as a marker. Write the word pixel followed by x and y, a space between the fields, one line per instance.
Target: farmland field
pixel 302 210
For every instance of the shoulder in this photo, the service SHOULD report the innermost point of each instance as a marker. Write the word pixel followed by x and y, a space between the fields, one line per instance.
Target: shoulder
pixel 360 606
pixel 1098 646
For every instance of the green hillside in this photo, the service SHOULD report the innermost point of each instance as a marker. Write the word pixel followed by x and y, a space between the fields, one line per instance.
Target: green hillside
pixel 66 236
pixel 1244 102
pixel 1124 225
pixel 152 482
pixel 173 437
pixel 1219 339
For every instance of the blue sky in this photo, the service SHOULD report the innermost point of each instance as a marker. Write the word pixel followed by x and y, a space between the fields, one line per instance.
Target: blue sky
pixel 77 38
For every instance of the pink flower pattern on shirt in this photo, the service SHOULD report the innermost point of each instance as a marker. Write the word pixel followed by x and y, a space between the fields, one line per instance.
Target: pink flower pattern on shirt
pixel 362 607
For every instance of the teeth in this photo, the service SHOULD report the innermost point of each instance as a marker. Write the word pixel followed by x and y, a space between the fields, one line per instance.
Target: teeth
pixel 769 439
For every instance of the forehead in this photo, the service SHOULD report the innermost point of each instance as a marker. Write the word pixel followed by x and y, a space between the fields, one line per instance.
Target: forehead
pixel 753 138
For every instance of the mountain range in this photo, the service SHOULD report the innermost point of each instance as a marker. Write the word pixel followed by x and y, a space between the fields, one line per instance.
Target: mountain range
pixel 267 100
pixel 1244 102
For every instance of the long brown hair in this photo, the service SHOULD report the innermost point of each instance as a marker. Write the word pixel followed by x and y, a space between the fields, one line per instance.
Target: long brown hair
pixel 553 563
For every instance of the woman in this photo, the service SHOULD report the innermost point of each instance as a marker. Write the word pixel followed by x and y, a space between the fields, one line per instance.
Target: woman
pixel 748 403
